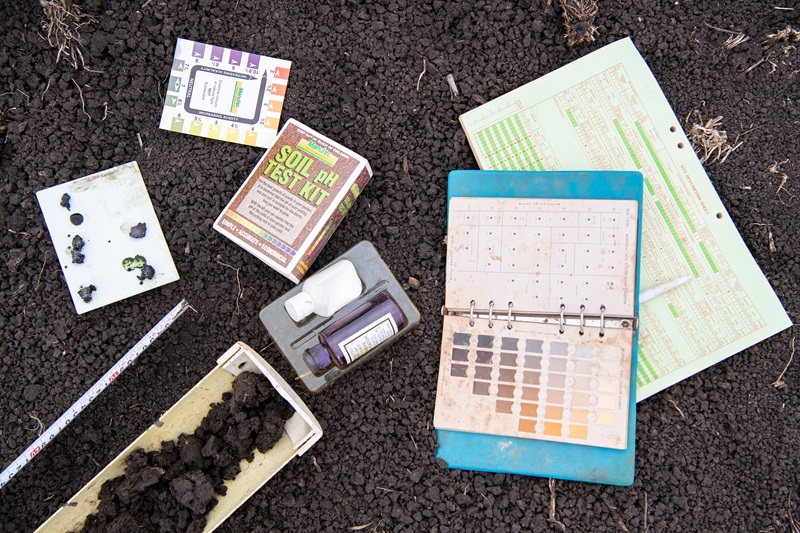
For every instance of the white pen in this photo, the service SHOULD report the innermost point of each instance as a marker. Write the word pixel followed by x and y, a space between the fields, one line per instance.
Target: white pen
pixel 658 290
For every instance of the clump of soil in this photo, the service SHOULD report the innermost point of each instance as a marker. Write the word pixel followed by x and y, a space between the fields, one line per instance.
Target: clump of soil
pixel 138 231
pixel 172 489
pixel 140 262
pixel 86 293
pixel 77 246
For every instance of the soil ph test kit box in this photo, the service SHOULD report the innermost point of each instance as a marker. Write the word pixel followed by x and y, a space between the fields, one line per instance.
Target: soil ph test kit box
pixel 294 199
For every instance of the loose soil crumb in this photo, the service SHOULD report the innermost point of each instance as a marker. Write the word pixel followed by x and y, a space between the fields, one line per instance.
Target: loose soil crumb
pixel 138 231
pixel 86 292
pixel 172 489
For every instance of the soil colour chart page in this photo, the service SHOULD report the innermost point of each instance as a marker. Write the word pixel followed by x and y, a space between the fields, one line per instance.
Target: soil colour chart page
pixel 534 382
pixel 225 94
pixel 606 111
pixel 523 257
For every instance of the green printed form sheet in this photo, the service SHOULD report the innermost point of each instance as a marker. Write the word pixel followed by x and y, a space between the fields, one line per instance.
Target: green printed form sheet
pixel 606 111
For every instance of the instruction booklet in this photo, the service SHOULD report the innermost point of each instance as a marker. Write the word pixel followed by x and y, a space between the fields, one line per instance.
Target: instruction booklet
pixel 539 334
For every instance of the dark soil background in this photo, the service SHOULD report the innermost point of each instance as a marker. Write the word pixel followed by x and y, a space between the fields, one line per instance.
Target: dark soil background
pixel 717 452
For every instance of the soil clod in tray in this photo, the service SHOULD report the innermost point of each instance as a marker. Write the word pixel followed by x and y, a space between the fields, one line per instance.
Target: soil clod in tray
pixel 173 488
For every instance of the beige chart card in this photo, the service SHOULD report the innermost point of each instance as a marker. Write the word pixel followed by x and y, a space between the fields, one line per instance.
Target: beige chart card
pixel 540 253
pixel 606 111
pixel 533 382
pixel 512 258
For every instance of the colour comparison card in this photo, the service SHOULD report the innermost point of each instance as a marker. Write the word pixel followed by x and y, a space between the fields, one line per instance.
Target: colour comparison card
pixel 532 381
pixel 526 347
pixel 225 94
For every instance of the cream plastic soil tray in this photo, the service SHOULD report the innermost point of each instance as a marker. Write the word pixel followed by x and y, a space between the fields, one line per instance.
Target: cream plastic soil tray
pixel 300 433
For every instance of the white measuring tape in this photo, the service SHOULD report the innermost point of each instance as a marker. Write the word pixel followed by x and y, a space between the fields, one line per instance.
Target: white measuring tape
pixel 92 393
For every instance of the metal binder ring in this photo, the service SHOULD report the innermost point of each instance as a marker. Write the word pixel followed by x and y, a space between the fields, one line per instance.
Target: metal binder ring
pixel 602 320
pixel 510 305
pixel 561 321
pixel 583 319
pixel 491 308
pixel 472 313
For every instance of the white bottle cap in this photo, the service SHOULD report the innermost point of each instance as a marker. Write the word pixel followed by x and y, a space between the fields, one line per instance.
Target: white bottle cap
pixel 299 306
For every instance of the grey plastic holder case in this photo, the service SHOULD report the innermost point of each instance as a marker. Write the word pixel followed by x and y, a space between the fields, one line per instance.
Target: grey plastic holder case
pixel 293 339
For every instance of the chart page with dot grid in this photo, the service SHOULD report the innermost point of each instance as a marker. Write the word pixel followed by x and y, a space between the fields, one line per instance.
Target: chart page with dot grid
pixel 499 374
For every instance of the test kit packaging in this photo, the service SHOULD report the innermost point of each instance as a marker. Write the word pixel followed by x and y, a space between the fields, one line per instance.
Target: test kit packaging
pixel 301 431
pixel 294 199
pixel 323 348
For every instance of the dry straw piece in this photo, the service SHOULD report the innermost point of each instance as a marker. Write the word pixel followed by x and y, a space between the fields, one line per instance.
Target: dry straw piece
pixel 579 18
pixel 788 34
pixel 709 142
pixel 62 22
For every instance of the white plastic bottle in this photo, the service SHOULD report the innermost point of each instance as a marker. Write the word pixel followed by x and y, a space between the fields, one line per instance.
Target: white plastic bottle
pixel 326 292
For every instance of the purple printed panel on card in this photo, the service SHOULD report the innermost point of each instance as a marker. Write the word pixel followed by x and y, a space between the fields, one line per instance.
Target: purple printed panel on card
pixel 198 50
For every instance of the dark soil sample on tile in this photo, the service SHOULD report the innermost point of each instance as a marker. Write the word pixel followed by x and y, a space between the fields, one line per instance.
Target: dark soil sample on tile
pixel 140 262
pixel 138 231
pixel 172 489
pixel 77 245
pixel 86 292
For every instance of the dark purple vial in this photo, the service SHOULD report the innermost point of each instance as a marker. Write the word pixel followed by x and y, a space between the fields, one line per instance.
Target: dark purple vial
pixel 357 333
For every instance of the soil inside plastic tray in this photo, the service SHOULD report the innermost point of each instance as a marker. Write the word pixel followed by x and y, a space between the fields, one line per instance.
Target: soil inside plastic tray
pixel 173 488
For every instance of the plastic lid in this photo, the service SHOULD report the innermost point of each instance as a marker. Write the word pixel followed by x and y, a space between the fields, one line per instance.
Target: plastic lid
pixel 317 358
pixel 299 306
